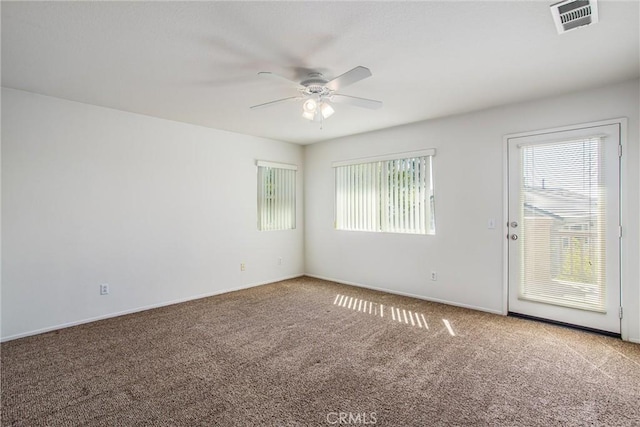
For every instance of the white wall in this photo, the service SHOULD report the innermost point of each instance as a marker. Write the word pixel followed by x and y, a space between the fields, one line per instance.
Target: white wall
pixel 468 177
pixel 160 210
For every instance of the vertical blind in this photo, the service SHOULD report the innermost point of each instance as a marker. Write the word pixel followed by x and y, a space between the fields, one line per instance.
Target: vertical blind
pixel 393 194
pixel 563 203
pixel 276 196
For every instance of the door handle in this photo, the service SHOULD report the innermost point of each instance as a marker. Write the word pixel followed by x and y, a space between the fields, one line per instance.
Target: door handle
pixel 514 237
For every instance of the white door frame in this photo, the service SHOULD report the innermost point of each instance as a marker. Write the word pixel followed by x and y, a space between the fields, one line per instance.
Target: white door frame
pixel 624 282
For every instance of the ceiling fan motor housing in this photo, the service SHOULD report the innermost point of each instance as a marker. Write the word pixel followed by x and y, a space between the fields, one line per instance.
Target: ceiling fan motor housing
pixel 315 85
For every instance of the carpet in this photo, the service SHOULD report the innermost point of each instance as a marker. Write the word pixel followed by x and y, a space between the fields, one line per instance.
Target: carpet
pixel 307 352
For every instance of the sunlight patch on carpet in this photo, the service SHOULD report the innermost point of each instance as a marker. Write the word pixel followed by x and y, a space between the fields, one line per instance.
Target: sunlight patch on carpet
pixel 398 314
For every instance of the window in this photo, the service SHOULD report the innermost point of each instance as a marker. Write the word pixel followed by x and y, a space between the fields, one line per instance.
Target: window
pixel 564 202
pixel 276 196
pixel 386 194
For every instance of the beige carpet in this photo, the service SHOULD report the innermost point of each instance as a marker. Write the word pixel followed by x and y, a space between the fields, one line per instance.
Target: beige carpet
pixel 297 353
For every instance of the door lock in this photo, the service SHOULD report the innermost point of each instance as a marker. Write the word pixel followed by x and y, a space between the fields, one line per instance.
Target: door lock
pixel 514 224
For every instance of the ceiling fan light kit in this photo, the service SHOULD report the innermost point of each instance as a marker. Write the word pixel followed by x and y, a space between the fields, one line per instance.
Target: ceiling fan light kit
pixel 309 106
pixel 308 115
pixel 326 109
pixel 317 93
pixel 312 109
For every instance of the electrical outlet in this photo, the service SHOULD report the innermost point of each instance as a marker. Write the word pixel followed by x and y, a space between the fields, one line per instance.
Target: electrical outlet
pixel 243 267
pixel 104 289
pixel 279 261
pixel 434 276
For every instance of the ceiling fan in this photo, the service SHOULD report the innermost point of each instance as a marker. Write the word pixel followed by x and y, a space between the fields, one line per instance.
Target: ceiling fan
pixel 318 93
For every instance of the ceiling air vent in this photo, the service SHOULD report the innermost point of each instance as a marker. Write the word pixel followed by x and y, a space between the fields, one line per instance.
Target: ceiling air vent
pixel 571 14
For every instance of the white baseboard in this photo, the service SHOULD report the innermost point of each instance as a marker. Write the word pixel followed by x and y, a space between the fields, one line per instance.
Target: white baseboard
pixel 407 294
pixel 143 308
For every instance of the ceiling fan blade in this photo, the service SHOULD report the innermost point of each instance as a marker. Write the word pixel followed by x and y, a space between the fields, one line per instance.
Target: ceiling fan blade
pixel 358 102
pixel 348 78
pixel 277 101
pixel 279 77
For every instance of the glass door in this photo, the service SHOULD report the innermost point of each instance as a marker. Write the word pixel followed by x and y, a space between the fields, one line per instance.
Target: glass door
pixel 564 261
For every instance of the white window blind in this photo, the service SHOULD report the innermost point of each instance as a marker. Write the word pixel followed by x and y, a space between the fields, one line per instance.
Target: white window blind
pixel 563 203
pixel 386 194
pixel 276 196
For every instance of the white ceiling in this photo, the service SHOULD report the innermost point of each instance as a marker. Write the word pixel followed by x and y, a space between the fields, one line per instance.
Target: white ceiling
pixel 197 62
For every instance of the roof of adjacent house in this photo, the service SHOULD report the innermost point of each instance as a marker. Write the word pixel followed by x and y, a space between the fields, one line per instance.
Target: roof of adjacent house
pixel 559 203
